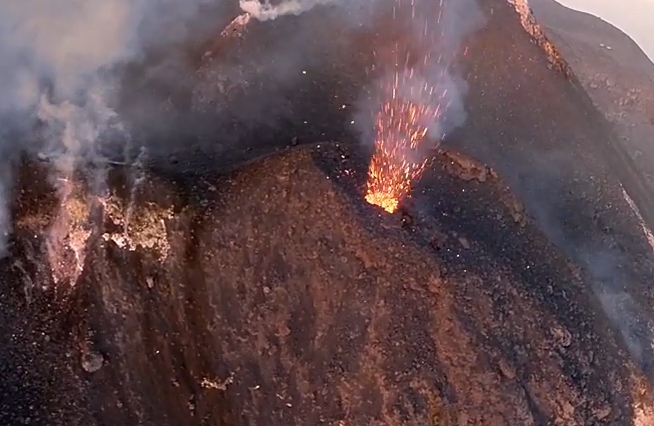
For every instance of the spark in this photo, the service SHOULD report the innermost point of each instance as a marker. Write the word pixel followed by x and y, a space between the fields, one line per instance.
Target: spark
pixel 401 126
pixel 412 106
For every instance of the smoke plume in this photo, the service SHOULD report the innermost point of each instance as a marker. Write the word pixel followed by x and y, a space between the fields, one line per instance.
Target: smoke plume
pixel 57 62
pixel 63 65
pixel 265 11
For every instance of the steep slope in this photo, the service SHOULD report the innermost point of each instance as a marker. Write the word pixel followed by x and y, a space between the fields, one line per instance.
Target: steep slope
pixel 539 129
pixel 284 299
pixel 274 295
pixel 614 71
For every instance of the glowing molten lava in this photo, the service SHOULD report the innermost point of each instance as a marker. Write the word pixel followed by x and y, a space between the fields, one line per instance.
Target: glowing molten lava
pixel 401 125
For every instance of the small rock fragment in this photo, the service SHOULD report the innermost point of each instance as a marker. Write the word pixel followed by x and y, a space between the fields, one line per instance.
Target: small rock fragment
pixel 212 384
pixel 92 361
pixel 562 335
pixel 506 369
pixel 602 413
pixel 464 242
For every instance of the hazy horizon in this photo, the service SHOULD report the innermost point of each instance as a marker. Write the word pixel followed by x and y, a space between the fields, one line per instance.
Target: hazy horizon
pixel 635 19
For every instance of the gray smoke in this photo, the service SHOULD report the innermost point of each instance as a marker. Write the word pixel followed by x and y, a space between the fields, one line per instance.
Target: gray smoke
pixel 57 59
pixel 585 218
pixel 357 12
pixel 63 65
pixel 266 11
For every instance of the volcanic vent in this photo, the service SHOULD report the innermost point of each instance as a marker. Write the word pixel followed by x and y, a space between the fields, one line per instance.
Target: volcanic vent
pixel 284 298
pixel 276 295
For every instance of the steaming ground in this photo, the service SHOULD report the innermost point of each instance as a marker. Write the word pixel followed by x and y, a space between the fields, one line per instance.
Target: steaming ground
pixel 533 124
pixel 273 297
pixel 61 62
pixel 56 67
pixel 601 247
pixel 63 67
pixel 67 78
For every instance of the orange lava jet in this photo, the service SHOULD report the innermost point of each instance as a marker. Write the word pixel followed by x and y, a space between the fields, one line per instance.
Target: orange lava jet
pixel 401 125
pixel 414 100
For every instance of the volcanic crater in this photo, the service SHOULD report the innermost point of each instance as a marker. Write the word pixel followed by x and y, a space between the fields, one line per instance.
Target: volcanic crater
pixel 263 289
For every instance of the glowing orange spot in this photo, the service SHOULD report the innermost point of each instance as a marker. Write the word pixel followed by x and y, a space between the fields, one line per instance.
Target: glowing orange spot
pixel 400 128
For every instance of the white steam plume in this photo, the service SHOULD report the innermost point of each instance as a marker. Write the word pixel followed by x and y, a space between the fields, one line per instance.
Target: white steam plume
pixel 56 59
pixel 265 11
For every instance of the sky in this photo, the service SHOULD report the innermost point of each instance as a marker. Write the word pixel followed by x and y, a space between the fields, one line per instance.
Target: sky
pixel 634 17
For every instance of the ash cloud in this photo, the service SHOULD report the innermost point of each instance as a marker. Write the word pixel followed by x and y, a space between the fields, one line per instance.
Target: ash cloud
pixel 63 52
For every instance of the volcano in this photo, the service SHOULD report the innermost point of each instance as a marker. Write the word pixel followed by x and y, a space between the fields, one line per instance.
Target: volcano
pixel 249 283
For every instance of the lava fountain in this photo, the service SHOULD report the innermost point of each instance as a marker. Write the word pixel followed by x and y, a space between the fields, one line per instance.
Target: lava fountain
pixel 414 102
pixel 401 126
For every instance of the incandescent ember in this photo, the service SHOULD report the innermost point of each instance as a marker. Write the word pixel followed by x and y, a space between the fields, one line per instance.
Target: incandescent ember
pixel 401 126
pixel 413 104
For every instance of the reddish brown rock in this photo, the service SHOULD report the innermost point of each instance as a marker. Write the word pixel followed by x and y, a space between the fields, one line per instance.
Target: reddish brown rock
pixel 284 299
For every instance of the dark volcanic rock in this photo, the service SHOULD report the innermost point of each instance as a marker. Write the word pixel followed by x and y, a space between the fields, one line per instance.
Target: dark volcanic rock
pixel 540 130
pixel 614 71
pixel 276 296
